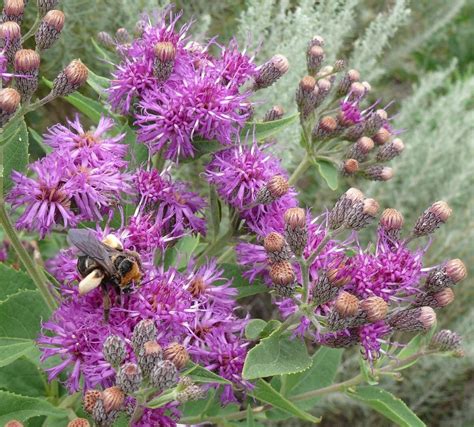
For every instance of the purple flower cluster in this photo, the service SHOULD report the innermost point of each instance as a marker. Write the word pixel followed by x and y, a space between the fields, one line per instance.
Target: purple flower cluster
pixel 178 92
pixel 82 179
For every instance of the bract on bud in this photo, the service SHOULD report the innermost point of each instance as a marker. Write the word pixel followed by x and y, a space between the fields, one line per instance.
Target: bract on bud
pixel 375 308
pixel 437 299
pixel 123 36
pixel 271 71
pixel 446 340
pixel 129 378
pixel 282 273
pixel 314 58
pixel 177 354
pixel 342 207
pixel 9 103
pixel 347 305
pixel 296 233
pixel 361 214
pixel 164 375
pixel 150 354
pixel 13 10
pixel 378 173
pixel 275 113
pixel 325 128
pixel 276 187
pixel 89 400
pixel 350 77
pixel 306 95
pixel 446 276
pixel 113 398
pixel 165 55
pixel 382 136
pixel 79 422
pixel 413 319
pixel 316 41
pixel 361 148
pixel 437 214
pixel 10 39
pixel 374 122
pixel 276 247
pixel 26 66
pixel 341 340
pixel 49 30
pixel 106 40
pixel 45 6
pixel 70 79
pixel 103 417
pixel 193 392
pixel 144 331
pixel 329 283
pixel 114 350
pixel 391 150
pixel 339 65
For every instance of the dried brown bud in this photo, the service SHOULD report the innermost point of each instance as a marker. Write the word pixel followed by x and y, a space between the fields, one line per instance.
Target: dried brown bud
pixel 444 297
pixel 89 400
pixel 441 210
pixel 357 91
pixel 375 308
pixel 325 128
pixel 79 422
pixel 165 55
pixel 177 354
pixel 276 247
pixel 378 173
pixel 382 136
pixel 391 221
pixel 50 29
pixel 13 10
pixel 350 167
pixel 275 113
pixel 350 77
pixel 456 270
pixel 347 305
pixel 360 149
pixel 9 103
pixel 113 398
pixel 295 218
pixel 413 319
pixel 70 79
pixel 282 273
pixel 26 60
pixel 437 214
pixel 324 86
pixel 276 187
pixel 10 39
pixel 271 71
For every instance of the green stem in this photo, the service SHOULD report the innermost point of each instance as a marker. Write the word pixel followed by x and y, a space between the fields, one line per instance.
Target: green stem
pixel 32 29
pixel 213 247
pixel 305 163
pixel 305 279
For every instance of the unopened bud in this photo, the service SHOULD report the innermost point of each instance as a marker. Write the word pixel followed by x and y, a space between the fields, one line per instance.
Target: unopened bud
pixel 50 29
pixel 328 286
pixel 378 173
pixel 103 417
pixel 375 308
pixel 437 214
pixel 339 65
pixel 438 299
pixel 276 187
pixel 177 354
pixel 316 41
pixel 9 103
pixel 338 340
pixel 446 276
pixel 139 28
pixel 45 6
pixel 271 71
pixel 13 10
pixel 391 150
pixel 361 149
pixel 357 91
pixel 382 136
pixel 349 167
pixel 114 350
pixel 346 304
pixel 343 206
pixel 413 319
pixel 149 356
pixel 123 36
pixel 79 422
pixel 70 79
pixel 446 340
pixel 113 398
pixel 361 214
pixel 324 86
pixel 106 40
pixel 325 128
pixel 129 378
pixel 164 375
pixel 295 230
pixel 391 222
pixel 455 270
pixel 374 122
pixel 90 399
pixel 144 331
pixel 13 423
pixel 165 55
pixel 10 39
pixel 350 77
pixel 282 273
pixel 193 392
pixel 275 113
pixel 314 58
pixel 276 247
pixel 306 95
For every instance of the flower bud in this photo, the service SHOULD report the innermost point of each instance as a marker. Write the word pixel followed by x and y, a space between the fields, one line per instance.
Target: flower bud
pixel 361 214
pixel 357 91
pixel 271 71
pixel 165 55
pixel 324 86
pixel 49 30
pixel 193 392
pixel 9 103
pixel 144 331
pixel 325 128
pixel 306 96
pixel 13 423
pixel 79 422
pixel 296 233
pixel 347 305
pixel 329 283
pixel 106 40
pixel 315 41
pixel 177 354
pixel 338 340
pixel 349 167
pixel 361 148
pixel 437 214
pixel 13 10
pixel 276 247
pixel 113 398
pixel 343 206
pixel 375 308
pixel 45 6
pixel 150 354
pixel 391 221
pixel 374 122
pixel 123 36
pixel 339 65
pixel 164 375
pixel 276 187
pixel 282 273
pixel 10 39
pixel 103 417
pixel 90 399
pixel 454 271
pixel 350 77
pixel 129 378
pixel 438 299
pixel 446 340
pixel 378 173
pixel 314 58
pixel 114 350
pixel 382 136
pixel 274 113
pixel 413 319
pixel 391 150
pixel 354 132
pixel 70 79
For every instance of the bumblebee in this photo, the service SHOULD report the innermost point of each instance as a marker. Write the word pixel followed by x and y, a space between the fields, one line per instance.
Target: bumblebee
pixel 105 264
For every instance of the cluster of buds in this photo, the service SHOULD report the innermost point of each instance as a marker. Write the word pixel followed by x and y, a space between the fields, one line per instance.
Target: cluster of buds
pixel 19 68
pixel 155 367
pixel 329 100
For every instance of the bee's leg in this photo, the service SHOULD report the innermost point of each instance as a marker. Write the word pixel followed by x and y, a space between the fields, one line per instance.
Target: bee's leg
pixel 106 302
pixel 118 295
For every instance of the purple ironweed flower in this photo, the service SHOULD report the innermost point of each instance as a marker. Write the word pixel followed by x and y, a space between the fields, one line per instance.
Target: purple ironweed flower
pixel 166 416
pixel 145 234
pixel 350 113
pixel 63 266
pixel 371 337
pixel 91 147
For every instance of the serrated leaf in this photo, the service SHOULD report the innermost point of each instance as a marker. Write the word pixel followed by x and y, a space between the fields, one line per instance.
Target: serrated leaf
pixel 266 393
pixel 22 408
pixel 276 355
pixel 21 315
pixel 200 374
pixel 12 349
pixel 23 377
pixel 386 404
pixel 254 328
pixel 329 172
pixel 11 281
pixel 245 288
pixel 264 130
pixel 14 151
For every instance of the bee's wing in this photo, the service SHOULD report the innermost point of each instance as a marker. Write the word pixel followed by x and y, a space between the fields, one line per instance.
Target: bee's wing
pixel 87 243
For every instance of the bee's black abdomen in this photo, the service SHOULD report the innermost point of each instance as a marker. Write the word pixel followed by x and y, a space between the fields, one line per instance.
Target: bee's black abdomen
pixel 85 265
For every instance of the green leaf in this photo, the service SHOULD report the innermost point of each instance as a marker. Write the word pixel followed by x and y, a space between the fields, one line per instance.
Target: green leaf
pixel 185 249
pixel 201 406
pixel 23 377
pixel 12 349
pixel 13 151
pixel 21 315
pixel 21 408
pixel 250 419
pixel 254 328
pixel 215 213
pixel 266 393
pixel 98 83
pixel 271 326
pixel 103 54
pixel 137 152
pixel 264 130
pixel 386 404
pixel 276 355
pixel 245 288
pixel 202 375
pixel 366 371
pixel 11 281
pixel 329 172
pixel 35 136
pixel 413 346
